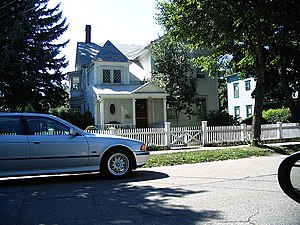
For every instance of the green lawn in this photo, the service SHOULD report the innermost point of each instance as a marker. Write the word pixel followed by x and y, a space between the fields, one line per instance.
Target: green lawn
pixel 170 159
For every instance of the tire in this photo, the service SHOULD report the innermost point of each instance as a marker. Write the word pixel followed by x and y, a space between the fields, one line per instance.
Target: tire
pixel 116 164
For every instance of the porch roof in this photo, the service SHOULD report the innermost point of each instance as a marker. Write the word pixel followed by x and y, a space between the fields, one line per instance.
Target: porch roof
pixel 129 91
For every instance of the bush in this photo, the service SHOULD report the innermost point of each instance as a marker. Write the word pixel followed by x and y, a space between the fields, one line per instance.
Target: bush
pixel 92 127
pixel 80 120
pixel 248 121
pixel 221 118
pixel 277 115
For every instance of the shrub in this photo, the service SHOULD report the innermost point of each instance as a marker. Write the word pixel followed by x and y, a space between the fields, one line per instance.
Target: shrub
pixel 80 120
pixel 221 118
pixel 92 127
pixel 277 115
pixel 248 121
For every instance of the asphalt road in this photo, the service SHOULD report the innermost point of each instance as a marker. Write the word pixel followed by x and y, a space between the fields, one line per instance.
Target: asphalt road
pixel 230 192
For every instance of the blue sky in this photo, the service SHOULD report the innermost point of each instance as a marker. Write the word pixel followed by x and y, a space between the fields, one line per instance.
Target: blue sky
pixel 120 21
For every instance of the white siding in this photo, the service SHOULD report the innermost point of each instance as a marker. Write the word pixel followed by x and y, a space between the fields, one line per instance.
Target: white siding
pixel 244 97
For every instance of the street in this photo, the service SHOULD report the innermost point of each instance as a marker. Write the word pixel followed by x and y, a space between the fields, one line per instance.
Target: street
pixel 242 192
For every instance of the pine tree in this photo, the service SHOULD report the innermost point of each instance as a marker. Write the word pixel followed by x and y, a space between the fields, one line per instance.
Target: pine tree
pixel 30 60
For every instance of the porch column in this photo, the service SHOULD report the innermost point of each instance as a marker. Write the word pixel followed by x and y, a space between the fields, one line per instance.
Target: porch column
pixel 96 111
pixel 102 114
pixel 165 109
pixel 133 113
pixel 153 110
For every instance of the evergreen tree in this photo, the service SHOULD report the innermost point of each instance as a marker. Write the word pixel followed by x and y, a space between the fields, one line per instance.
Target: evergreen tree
pixel 30 61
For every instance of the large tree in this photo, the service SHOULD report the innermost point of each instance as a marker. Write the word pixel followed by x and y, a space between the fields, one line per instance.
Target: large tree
pixel 30 60
pixel 250 31
pixel 174 73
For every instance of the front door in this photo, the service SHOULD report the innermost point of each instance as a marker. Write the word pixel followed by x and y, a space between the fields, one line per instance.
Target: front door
pixel 141 113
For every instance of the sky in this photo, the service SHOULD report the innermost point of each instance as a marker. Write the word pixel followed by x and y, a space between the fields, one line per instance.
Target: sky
pixel 120 21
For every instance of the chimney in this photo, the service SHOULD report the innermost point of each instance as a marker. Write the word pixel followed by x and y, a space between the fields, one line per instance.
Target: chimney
pixel 88 33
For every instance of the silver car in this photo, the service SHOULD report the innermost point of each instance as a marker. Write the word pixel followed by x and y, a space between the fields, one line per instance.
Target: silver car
pixel 34 143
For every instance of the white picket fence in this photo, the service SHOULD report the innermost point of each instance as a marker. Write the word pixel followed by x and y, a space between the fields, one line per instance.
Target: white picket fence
pixel 201 135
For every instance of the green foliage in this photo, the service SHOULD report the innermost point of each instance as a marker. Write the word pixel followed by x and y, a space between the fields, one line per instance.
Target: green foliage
pixel 30 60
pixel 277 115
pixel 223 100
pixel 173 73
pixel 248 120
pixel 171 159
pixel 221 118
pixel 249 31
pixel 80 120
pixel 91 128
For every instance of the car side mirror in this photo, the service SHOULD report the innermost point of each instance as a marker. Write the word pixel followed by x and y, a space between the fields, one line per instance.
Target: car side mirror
pixel 73 132
pixel 289 176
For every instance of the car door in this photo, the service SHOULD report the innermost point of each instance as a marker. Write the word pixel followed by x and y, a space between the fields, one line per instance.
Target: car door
pixel 53 147
pixel 14 146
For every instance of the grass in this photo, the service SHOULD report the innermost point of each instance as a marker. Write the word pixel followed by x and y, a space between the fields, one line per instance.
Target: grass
pixel 179 158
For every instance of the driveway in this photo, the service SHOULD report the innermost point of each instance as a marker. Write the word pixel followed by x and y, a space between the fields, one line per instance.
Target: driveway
pixel 235 192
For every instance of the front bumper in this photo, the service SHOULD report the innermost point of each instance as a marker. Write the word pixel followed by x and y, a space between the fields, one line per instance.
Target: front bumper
pixel 142 158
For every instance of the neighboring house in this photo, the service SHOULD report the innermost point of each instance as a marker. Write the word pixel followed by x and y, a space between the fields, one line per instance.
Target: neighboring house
pixel 111 82
pixel 239 92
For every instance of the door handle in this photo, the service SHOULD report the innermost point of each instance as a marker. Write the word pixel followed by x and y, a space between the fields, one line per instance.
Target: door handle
pixel 36 142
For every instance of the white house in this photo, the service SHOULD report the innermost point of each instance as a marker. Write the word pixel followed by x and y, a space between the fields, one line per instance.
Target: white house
pixel 110 81
pixel 240 100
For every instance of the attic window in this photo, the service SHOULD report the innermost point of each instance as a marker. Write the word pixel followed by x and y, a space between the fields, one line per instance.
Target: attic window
pixel 117 76
pixel 112 76
pixel 106 76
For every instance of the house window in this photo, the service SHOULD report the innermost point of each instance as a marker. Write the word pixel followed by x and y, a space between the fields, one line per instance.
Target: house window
pixel 76 109
pixel 249 110
pixel 117 76
pixel 106 76
pixel 75 83
pixel 236 90
pixel 171 112
pixel 112 109
pixel 199 73
pixel 247 85
pixel 237 111
pixel 112 76
pixel 202 108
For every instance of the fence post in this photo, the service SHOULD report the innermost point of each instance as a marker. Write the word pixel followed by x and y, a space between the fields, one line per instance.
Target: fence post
pixel 243 132
pixel 279 130
pixel 168 134
pixel 204 132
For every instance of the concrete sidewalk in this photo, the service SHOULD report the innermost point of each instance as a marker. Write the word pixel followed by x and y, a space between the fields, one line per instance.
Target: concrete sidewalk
pixel 201 148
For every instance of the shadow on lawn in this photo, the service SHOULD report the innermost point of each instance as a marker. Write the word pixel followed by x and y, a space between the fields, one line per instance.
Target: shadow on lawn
pixel 283 149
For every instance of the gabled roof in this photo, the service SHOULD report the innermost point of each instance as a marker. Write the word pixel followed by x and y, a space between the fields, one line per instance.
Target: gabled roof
pixel 86 52
pixel 109 53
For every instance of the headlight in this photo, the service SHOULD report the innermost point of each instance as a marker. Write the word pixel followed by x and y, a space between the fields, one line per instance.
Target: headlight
pixel 143 148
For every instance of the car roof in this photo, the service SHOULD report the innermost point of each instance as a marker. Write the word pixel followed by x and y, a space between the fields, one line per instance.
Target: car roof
pixel 24 114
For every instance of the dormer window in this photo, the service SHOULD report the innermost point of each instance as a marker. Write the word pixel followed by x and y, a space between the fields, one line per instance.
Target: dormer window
pixel 112 76
pixel 106 76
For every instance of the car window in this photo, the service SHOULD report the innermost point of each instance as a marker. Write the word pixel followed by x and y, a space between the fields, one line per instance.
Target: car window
pixel 46 126
pixel 10 125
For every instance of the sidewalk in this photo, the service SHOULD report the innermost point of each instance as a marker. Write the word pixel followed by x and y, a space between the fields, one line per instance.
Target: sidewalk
pixel 201 148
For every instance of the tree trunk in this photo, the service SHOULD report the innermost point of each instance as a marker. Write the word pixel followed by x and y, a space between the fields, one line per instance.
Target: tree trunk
pixel 289 96
pixel 259 89
pixel 258 107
